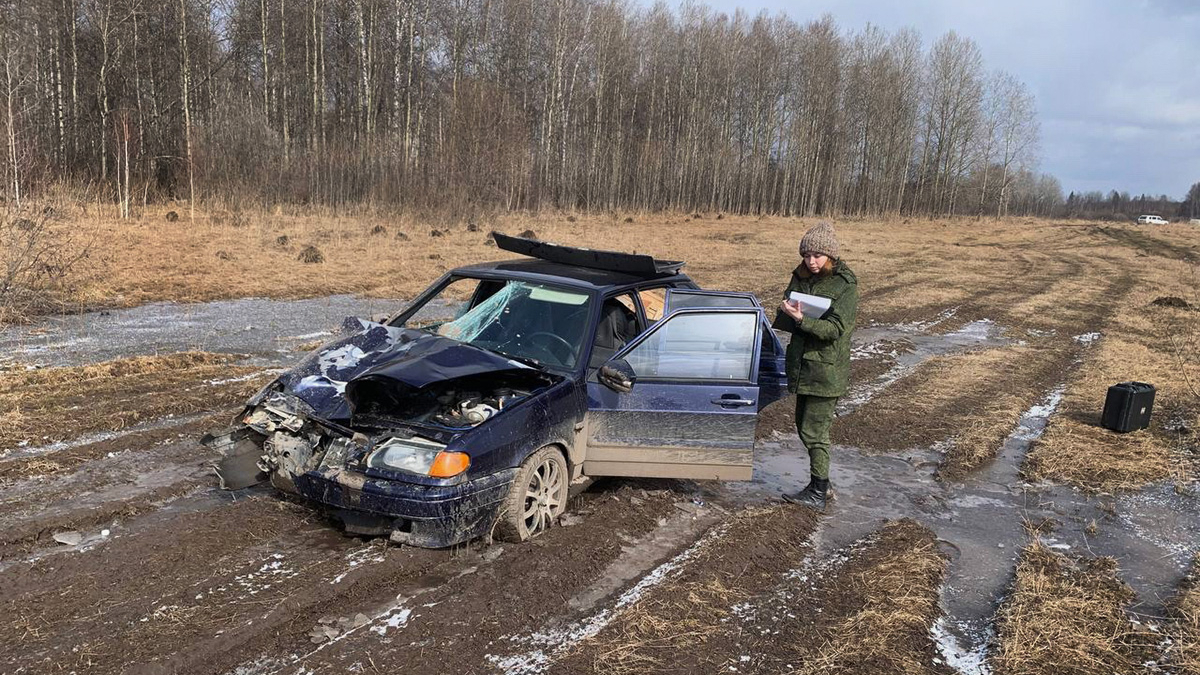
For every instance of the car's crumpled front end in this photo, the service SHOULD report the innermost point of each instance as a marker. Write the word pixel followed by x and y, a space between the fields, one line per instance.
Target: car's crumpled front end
pixel 377 427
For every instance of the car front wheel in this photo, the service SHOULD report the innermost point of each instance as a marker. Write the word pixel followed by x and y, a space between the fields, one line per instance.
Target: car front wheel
pixel 537 497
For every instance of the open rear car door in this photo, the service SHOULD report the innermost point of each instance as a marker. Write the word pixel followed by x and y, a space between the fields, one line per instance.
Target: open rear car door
pixel 693 404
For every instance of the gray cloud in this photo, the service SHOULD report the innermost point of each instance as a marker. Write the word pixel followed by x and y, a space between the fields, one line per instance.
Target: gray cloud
pixel 1115 80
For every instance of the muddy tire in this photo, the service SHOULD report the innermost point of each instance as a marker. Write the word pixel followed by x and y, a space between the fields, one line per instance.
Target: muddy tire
pixel 537 497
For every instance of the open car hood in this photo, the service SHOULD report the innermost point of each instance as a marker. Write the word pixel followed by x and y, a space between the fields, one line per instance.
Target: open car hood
pixel 411 357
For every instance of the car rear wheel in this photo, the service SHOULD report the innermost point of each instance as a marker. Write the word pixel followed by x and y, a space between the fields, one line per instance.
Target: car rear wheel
pixel 537 497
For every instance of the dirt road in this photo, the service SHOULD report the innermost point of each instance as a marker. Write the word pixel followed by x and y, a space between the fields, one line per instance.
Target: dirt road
pixel 119 554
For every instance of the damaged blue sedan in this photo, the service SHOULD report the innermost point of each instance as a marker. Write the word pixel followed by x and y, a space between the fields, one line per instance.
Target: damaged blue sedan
pixel 473 410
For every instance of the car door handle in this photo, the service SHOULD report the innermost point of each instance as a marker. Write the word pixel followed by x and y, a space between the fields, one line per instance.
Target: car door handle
pixel 733 401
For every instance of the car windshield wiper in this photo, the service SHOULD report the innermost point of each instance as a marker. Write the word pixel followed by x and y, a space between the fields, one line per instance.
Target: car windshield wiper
pixel 527 360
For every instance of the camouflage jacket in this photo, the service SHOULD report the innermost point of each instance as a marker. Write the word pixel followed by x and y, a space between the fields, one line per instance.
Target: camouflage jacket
pixel 818 357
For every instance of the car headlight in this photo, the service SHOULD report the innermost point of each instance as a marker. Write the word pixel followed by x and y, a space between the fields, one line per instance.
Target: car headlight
pixel 419 456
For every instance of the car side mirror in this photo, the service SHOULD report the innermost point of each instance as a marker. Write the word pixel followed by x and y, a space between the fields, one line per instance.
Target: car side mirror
pixel 617 375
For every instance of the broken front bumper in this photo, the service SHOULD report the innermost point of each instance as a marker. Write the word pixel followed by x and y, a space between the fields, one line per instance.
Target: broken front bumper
pixel 419 515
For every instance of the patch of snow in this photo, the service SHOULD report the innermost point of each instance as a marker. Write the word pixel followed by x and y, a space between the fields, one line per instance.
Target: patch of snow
pixel 967 661
pixel 870 349
pixel 1087 339
pixel 263 664
pixel 397 619
pixel 243 378
pixel 926 325
pixel 359 556
pixel 272 571
pixel 308 336
pixel 1033 420
pixel 976 330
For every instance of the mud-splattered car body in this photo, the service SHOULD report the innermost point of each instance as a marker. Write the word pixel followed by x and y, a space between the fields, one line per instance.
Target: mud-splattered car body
pixel 417 427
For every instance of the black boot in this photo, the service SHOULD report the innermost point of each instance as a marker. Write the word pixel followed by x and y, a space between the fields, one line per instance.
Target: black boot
pixel 813 496
pixel 797 497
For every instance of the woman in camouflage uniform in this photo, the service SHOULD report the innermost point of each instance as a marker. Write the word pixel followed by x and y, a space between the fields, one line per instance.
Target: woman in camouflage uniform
pixel 818 357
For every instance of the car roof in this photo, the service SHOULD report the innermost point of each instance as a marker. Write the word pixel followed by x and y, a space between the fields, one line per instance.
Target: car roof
pixel 532 269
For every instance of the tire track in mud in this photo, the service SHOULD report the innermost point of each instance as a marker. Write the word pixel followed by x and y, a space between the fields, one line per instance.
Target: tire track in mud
pixel 674 626
pixel 190 585
pixel 864 608
pixel 445 621
pixel 112 480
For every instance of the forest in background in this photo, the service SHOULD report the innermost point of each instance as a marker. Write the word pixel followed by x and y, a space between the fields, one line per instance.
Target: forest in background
pixel 510 104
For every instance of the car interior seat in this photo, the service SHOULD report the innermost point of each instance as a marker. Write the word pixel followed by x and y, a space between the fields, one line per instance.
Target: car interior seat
pixel 618 325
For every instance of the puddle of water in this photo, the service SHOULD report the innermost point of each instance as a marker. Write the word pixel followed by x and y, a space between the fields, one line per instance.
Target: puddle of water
pixel 980 522
pixel 268 329
pixel 921 346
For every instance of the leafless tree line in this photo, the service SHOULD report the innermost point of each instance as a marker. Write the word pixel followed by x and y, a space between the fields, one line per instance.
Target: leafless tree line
pixel 1121 206
pixel 575 104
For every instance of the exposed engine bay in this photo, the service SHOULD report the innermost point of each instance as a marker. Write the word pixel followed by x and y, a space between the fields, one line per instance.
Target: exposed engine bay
pixel 382 402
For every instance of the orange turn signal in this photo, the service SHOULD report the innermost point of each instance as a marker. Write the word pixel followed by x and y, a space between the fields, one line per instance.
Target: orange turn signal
pixel 449 464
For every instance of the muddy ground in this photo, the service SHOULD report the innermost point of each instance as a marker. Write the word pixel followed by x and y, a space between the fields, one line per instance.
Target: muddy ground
pixel 118 554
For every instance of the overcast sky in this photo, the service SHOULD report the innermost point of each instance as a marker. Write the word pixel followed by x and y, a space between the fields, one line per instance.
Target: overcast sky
pixel 1117 81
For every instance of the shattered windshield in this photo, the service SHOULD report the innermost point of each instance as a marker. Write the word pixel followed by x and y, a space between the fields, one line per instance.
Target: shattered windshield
pixel 524 320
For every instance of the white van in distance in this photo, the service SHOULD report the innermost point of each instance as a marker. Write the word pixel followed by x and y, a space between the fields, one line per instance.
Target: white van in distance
pixel 1151 220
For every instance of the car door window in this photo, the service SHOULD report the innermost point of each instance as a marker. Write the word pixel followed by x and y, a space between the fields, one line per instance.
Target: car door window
pixel 693 345
pixel 682 299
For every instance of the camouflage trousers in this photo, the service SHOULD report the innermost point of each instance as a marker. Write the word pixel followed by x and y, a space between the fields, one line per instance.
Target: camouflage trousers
pixel 814 418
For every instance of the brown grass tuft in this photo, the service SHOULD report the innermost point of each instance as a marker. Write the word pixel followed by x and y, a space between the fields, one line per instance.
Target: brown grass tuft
pixel 1183 653
pixel 1067 616
pixel 649 636
pixel 896 583
pixel 311 254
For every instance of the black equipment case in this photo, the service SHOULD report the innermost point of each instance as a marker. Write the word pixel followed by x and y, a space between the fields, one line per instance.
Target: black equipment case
pixel 1128 406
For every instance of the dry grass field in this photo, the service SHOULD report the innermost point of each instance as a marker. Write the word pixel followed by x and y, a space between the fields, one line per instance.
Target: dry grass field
pixel 1043 283
pixel 1072 307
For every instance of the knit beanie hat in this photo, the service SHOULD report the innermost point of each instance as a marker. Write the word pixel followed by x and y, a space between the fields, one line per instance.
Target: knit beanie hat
pixel 820 239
